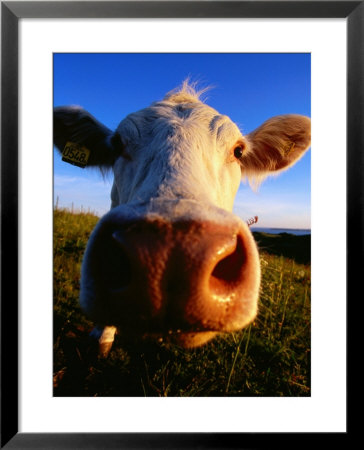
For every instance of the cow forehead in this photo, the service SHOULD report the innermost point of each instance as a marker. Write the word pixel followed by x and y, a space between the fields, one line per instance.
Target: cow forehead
pixel 177 150
pixel 162 117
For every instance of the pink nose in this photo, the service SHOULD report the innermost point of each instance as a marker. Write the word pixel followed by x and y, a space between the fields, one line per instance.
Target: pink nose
pixel 181 277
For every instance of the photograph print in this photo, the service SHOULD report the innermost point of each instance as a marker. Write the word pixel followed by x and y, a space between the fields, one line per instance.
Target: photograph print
pixel 182 224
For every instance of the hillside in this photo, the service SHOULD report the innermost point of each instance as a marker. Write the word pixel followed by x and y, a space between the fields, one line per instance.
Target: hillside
pixel 290 246
pixel 271 357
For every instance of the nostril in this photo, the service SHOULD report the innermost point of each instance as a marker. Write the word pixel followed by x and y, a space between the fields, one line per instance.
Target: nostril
pixel 117 266
pixel 228 271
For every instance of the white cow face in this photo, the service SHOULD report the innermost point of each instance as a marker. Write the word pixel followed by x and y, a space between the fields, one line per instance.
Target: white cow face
pixel 178 148
pixel 170 259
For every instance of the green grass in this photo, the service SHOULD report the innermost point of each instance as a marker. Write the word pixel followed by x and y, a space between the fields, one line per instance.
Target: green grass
pixel 288 245
pixel 271 357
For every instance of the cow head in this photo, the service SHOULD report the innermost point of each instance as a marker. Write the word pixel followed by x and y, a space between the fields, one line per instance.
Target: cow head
pixel 170 259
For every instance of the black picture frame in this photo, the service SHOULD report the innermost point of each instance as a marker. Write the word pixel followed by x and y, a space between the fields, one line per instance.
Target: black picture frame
pixel 11 13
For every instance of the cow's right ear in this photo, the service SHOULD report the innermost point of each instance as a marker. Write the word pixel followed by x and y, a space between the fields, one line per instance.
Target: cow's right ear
pixel 74 126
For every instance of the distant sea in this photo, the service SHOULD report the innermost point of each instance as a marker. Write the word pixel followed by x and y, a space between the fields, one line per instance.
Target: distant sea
pixel 297 232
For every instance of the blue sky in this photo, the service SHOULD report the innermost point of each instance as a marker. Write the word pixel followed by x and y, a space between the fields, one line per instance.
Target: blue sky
pixel 249 88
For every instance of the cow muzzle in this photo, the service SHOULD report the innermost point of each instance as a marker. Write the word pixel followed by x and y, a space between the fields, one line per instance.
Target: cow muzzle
pixel 183 280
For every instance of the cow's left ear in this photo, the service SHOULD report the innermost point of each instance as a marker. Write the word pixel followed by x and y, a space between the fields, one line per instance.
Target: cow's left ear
pixel 74 125
pixel 276 145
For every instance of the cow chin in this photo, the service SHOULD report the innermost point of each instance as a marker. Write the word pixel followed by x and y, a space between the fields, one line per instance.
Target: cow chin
pixel 191 340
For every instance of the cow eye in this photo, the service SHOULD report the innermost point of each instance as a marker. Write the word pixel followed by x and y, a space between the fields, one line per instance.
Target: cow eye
pixel 238 151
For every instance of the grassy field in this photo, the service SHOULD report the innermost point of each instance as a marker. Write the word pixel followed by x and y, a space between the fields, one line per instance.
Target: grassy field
pixel 271 357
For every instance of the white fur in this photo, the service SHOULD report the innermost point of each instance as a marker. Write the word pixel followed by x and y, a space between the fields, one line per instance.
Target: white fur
pixel 178 154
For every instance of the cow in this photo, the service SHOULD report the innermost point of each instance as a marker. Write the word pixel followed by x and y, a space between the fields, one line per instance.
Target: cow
pixel 170 261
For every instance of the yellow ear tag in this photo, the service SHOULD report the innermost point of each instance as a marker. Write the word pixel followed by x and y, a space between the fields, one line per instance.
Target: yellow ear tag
pixel 75 154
